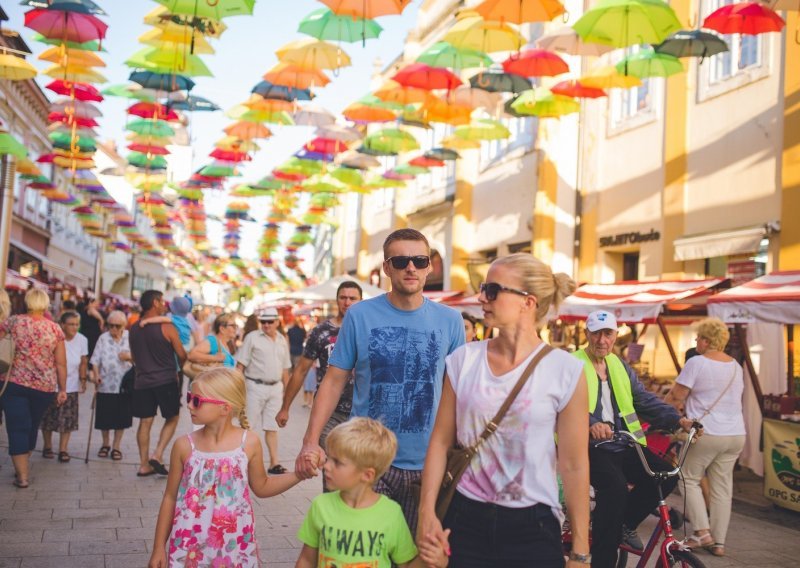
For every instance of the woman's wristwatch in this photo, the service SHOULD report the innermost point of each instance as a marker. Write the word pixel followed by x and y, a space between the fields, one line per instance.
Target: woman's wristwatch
pixel 582 558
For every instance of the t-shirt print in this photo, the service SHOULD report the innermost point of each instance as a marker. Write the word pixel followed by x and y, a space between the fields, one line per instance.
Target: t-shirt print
pixel 403 371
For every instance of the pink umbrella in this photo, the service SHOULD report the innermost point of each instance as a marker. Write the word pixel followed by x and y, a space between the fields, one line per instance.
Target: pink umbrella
pixel 66 26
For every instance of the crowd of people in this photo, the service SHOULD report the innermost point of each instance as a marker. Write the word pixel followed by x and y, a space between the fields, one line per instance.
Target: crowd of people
pixel 394 383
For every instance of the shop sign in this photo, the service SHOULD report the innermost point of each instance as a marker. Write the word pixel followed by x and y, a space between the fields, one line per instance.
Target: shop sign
pixel 631 238
pixel 782 463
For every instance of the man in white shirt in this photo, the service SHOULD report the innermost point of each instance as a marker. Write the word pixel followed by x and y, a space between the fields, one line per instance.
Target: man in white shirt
pixel 264 360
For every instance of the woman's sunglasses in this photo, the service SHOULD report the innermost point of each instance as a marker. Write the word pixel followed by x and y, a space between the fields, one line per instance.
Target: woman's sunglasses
pixel 195 400
pixel 400 262
pixel 492 289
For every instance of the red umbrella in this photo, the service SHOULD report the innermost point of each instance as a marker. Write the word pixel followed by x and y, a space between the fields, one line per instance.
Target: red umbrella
pixel 576 90
pixel 277 174
pixel 535 63
pixel 46 158
pixel 426 162
pixel 153 110
pixel 230 155
pixel 148 149
pixel 751 18
pixel 81 91
pixel 71 119
pixel 424 76
pixel 325 145
pixel 66 26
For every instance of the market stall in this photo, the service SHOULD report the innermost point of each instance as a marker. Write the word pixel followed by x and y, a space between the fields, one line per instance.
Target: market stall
pixel 769 306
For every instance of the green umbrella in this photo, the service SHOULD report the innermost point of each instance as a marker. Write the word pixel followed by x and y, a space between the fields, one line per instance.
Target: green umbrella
pixel 409 169
pixel 215 170
pixel 251 190
pixel 543 103
pixel 380 182
pixel 620 23
pixel 148 127
pixel 324 24
pixel 10 146
pixel 301 166
pixel 648 63
pixel 444 54
pixel 349 176
pixel 160 60
pixel 390 141
pixel 142 161
pixel 93 45
pixel 373 101
pixel 211 10
pixel 125 91
pixel 323 184
pixel 482 129
pixel 444 154
pixel 64 140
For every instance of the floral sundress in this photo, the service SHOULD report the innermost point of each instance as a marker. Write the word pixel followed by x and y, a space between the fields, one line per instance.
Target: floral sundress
pixel 213 523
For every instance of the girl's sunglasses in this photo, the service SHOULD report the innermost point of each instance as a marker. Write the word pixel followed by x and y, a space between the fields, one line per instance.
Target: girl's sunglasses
pixel 492 289
pixel 195 400
pixel 400 262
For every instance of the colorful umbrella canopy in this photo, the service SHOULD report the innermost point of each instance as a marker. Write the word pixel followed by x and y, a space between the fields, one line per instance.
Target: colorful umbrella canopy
pixel 457 143
pixel 157 128
pixel 692 43
pixel 390 141
pixel 174 35
pixel 444 54
pixel 349 176
pixel 424 76
pixel 475 98
pixel 425 161
pixel 80 91
pixel 359 112
pixel 313 53
pixel 279 92
pixel 162 60
pixel 519 11
pixel 313 115
pixel 212 10
pixel 447 112
pixel 393 92
pixel 751 18
pixel 130 91
pixel 577 90
pixel 247 130
pixel 648 63
pixel 621 23
pixel 535 63
pixel 10 146
pixel 64 25
pixel 65 56
pixel 148 149
pixel 324 24
pixel 471 31
pixel 607 77
pixel 74 74
pixel 567 40
pixel 257 102
pixel 162 81
pixel 152 110
pixel 543 103
pixel 289 75
pixel 153 162
pixel 366 9
pixel 497 82
pixel 81 6
pixel 192 103
pixel 15 68
pixel 76 108
pixel 160 17
pixel 325 145
pixel 483 129
pixel 339 132
pixel 443 154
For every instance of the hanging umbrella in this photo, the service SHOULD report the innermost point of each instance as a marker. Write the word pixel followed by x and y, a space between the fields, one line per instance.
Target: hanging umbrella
pixel 206 9
pixel 66 56
pixel 71 119
pixel 160 17
pixel 577 90
pixel 424 76
pixel 300 166
pixel 10 146
pixel 425 161
pixel 692 43
pixel 237 144
pixel 348 175
pixel 130 91
pixel 313 53
pixel 279 92
pixel 359 112
pixel 648 63
pixel 162 81
pixel 289 75
pixel 339 132
pixel 152 162
pixel 312 115
pixel 324 24
pixel 66 26
pixel 520 11
pixel 76 108
pixel 192 103
pixel 366 9
pixel 81 91
pixel 353 159
pixel 148 149
pixel 447 112
pixel 15 68
pixel 174 35
pixel 257 102
pixel 621 23
pixel 497 82
pixel 394 92
pixel 152 110
pixel 567 40
pixel 325 146
pixel 74 74
pixel 391 141
pixel 535 63
pixel 750 18
pixel 81 6
pixel 475 98
pixel 151 128
pixel 444 154
pixel 230 155
pixel 456 143
pixel 607 77
pixel 471 31
pixel 483 129
pixel 323 184
pixel 444 54
pixel 410 170
pixel 162 60
pixel 247 130
pixel 543 103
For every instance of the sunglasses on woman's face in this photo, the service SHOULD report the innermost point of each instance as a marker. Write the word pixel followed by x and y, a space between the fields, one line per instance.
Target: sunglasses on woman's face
pixel 400 262
pixel 115 326
pixel 492 289
pixel 196 401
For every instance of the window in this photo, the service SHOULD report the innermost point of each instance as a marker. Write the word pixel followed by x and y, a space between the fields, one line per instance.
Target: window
pixel 351 214
pixel 629 103
pixel 521 137
pixel 630 266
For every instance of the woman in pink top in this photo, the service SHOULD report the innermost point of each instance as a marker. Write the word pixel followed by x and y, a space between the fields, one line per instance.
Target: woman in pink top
pixel 38 370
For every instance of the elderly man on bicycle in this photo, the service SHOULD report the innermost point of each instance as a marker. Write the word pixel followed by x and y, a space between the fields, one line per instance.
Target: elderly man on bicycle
pixel 617 400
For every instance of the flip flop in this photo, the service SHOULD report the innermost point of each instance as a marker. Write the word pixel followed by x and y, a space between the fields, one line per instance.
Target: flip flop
pixel 116 455
pixel 158 467
pixel 148 474
pixel 48 454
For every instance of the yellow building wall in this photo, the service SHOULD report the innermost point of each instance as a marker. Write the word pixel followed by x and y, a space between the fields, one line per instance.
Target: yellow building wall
pixel 789 254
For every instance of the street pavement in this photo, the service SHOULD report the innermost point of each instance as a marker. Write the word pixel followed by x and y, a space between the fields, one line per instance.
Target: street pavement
pixel 100 515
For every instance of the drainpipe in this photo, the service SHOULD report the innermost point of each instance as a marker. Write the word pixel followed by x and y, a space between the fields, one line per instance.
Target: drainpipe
pixel 7 175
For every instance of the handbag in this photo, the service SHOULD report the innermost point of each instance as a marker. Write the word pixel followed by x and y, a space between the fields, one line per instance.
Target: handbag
pixel 126 385
pixel 459 458
pixel 192 369
pixel 6 358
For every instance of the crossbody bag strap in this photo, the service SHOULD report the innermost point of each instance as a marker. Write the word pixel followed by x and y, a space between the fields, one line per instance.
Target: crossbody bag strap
pixel 727 387
pixel 493 424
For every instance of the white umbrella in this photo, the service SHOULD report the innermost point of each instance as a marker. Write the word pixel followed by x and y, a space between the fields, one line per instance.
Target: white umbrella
pixel 475 97
pixel 327 290
pixel 312 115
pixel 354 159
pixel 567 40
pixel 339 132
pixel 82 108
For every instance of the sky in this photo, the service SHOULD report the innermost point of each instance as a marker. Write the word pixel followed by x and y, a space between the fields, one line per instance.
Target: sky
pixel 243 54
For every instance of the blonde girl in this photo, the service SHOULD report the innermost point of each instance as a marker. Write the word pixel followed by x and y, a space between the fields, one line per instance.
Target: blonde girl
pixel 207 513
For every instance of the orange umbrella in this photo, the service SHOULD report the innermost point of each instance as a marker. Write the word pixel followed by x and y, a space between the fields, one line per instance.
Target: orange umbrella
pixel 247 130
pixel 394 92
pixel 358 112
pixel 257 102
pixel 366 9
pixel 438 110
pixel 289 75
pixel 519 11
pixel 66 56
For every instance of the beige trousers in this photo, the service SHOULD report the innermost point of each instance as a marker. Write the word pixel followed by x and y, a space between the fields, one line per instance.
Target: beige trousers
pixel 715 457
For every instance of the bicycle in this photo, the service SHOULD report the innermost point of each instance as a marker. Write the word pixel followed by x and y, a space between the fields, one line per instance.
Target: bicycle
pixel 673 552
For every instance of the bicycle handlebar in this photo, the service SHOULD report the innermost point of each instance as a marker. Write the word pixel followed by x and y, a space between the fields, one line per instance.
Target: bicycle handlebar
pixel 630 439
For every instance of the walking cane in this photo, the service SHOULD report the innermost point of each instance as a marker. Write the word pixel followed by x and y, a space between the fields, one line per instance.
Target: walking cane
pixel 91 426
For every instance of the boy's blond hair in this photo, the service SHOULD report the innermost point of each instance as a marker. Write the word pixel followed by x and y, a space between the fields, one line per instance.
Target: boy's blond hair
pixel 366 442
pixel 223 383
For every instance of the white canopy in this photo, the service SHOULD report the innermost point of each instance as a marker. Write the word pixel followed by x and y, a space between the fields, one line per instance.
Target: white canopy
pixel 327 290
pixel 774 298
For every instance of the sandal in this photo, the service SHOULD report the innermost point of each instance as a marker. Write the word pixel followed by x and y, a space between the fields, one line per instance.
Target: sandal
pixel 116 455
pixel 103 453
pixel 48 454
pixel 716 549
pixel 19 484
pixel 64 457
pixel 693 542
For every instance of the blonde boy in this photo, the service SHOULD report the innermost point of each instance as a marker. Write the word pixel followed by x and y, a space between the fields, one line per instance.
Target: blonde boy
pixel 353 525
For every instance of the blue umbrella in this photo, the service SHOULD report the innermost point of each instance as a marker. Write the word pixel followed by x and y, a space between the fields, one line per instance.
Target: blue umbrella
pixel 162 81
pixel 318 156
pixel 278 92
pixel 78 6
pixel 193 103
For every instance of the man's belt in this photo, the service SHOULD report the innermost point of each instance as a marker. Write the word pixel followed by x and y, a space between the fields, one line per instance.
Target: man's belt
pixel 260 382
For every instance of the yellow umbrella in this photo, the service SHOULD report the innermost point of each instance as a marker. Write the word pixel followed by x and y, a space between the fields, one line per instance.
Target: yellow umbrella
pixel 471 31
pixel 26 167
pixel 69 56
pixel 290 75
pixel 609 77
pixel 314 54
pixel 74 74
pixel 257 102
pixel 237 144
pixel 247 130
pixel 393 92
pixel 73 163
pixel 15 68
pixel 58 152
pixel 439 110
pixel 175 34
pixel 160 17
pixel 456 143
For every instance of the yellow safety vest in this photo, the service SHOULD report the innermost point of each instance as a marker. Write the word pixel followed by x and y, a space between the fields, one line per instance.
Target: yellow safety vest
pixel 621 387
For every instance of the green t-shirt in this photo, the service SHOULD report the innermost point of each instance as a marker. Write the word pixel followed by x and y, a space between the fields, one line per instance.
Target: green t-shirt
pixel 373 537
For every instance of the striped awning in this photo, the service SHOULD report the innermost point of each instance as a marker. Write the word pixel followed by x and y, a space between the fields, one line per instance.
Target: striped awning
pixel 772 298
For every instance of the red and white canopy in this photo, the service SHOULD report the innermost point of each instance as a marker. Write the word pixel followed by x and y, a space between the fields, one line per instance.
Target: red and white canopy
pixel 773 298
pixel 634 301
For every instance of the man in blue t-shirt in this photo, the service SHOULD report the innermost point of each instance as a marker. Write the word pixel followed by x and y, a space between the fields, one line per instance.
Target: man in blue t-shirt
pixel 395 344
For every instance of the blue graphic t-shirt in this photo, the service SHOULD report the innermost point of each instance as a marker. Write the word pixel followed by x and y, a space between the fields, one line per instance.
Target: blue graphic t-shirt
pixel 398 358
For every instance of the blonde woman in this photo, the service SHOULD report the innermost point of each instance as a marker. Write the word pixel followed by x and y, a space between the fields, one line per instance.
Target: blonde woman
pixel 506 510
pixel 214 349
pixel 710 387
pixel 38 375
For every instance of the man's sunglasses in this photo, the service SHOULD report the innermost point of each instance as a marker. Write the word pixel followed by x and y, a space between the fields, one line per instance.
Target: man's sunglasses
pixel 492 289
pixel 195 400
pixel 400 262
pixel 267 321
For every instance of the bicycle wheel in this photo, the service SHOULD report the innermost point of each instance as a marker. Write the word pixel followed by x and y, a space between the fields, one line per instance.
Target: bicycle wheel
pixel 682 559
